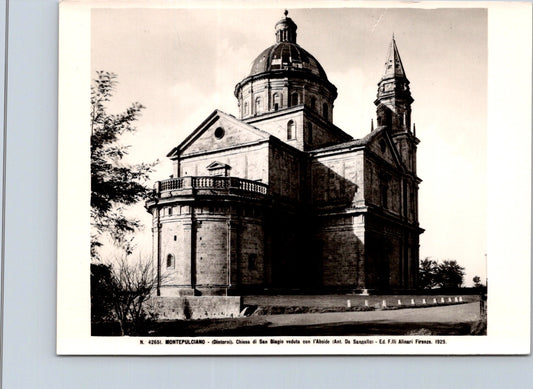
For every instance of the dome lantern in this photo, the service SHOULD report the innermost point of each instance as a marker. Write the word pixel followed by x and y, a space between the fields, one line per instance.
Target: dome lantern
pixel 286 29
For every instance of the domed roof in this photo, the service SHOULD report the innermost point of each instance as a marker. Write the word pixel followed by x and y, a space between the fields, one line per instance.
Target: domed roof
pixel 286 55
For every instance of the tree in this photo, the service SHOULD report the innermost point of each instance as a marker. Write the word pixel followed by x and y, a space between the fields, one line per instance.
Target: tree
pixel 445 274
pixel 114 183
pixel 133 284
pixel 426 273
pixel 449 274
pixel 477 282
pixel 120 291
pixel 101 293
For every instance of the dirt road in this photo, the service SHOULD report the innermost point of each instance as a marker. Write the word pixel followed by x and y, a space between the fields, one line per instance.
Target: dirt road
pixel 446 320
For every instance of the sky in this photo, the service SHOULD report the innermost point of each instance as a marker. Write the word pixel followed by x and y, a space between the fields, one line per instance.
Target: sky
pixel 184 63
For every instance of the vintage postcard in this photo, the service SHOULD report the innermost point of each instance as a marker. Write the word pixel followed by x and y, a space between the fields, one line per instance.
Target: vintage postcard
pixel 269 178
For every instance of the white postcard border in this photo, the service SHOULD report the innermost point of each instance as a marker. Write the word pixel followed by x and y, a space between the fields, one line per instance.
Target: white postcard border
pixel 509 199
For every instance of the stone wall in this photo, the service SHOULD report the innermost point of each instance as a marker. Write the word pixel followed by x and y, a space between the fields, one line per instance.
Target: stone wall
pixel 210 247
pixel 250 252
pixel 277 126
pixel 319 134
pixel 342 251
pixel 338 179
pixel 212 258
pixel 196 307
pixel 391 250
pixel 383 186
pixel 248 162
pixel 322 131
pixel 286 172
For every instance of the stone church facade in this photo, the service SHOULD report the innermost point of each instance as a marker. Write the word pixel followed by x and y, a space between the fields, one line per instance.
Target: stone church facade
pixel 281 199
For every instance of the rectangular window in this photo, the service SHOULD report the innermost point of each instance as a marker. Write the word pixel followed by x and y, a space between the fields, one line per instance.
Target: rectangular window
pixel 252 262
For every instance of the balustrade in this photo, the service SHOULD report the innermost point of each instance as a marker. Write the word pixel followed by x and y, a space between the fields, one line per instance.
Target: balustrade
pixel 173 183
pixel 209 182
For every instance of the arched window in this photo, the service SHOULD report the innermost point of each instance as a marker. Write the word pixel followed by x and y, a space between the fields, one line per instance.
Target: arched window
pixel 170 261
pixel 246 108
pixel 313 103
pixel 309 133
pixel 325 111
pixel 277 101
pixel 290 130
pixel 258 105
pixel 294 99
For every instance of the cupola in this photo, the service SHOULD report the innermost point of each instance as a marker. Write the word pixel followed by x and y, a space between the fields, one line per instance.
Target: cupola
pixel 283 76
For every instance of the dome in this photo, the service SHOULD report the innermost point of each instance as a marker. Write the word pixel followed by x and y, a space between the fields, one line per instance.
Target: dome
pixel 285 76
pixel 286 56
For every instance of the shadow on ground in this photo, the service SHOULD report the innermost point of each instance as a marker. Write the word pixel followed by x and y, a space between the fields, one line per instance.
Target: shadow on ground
pixel 236 328
pixel 328 329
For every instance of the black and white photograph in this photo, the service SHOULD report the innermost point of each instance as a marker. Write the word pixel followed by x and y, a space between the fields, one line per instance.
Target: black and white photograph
pixel 276 179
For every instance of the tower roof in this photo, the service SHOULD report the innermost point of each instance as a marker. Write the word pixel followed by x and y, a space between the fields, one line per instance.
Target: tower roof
pixel 393 64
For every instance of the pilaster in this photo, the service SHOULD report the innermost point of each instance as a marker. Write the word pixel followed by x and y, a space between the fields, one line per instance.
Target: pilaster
pixel 189 251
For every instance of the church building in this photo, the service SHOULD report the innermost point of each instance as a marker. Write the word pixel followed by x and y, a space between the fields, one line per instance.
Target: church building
pixel 280 199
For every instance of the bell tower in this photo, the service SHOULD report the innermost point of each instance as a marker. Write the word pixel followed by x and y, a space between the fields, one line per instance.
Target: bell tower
pixel 394 107
pixel 394 116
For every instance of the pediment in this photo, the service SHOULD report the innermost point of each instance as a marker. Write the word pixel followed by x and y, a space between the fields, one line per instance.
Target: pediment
pixel 218 131
pixel 217 165
pixel 382 146
pixel 383 106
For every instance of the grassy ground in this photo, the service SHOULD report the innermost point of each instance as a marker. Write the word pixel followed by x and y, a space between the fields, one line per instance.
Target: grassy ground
pixel 268 305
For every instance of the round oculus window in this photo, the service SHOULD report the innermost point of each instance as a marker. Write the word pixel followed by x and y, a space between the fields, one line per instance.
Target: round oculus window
pixel 219 133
